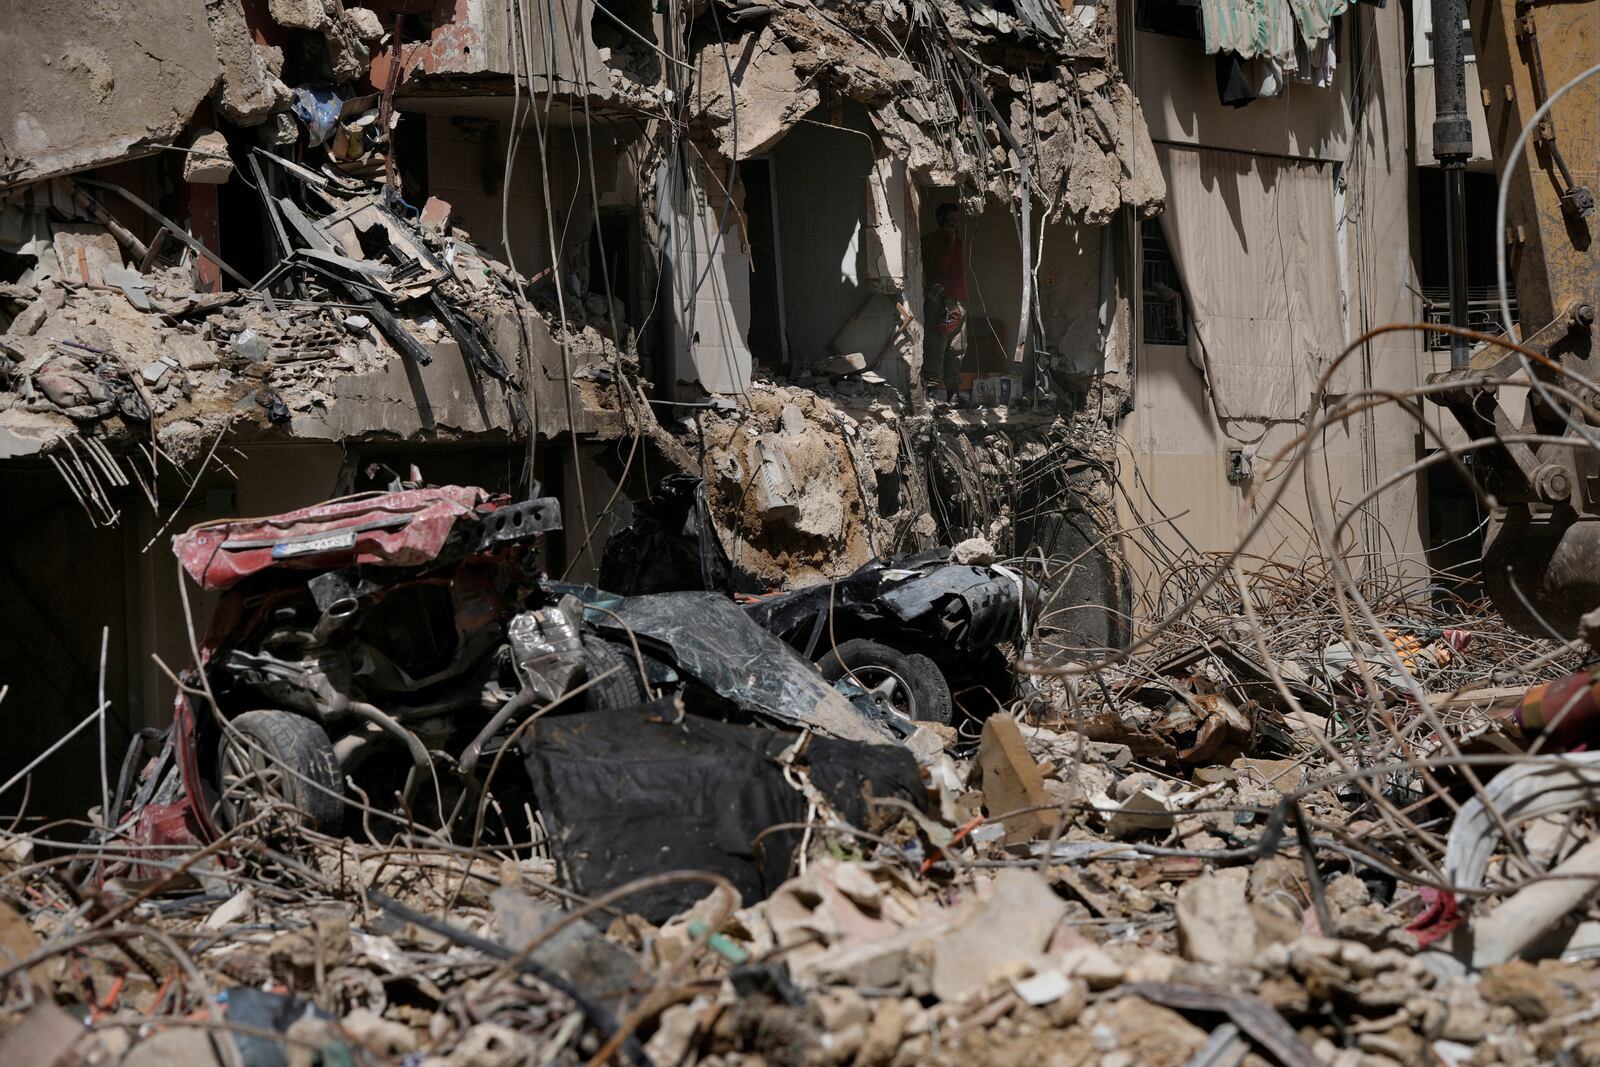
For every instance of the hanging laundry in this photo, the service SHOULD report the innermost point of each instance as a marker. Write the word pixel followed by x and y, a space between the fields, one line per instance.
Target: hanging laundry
pixel 1324 60
pixel 1267 75
pixel 1249 27
pixel 1302 62
pixel 1233 87
pixel 1315 17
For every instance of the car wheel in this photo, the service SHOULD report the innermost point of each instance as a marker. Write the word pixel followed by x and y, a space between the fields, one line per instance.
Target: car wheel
pixel 910 687
pixel 622 688
pixel 934 700
pixel 282 758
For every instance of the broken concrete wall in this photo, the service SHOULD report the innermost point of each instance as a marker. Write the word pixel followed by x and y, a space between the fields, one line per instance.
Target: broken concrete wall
pixel 792 482
pixel 747 96
pixel 828 94
pixel 250 89
pixel 1053 98
pixel 471 37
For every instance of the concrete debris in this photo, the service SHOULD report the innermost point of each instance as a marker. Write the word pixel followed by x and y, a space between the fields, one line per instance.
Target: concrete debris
pixel 300 14
pixel 821 707
pixel 207 161
pixel 1215 924
pixel 1013 787
pixel 365 22
pixel 91 83
pixel 1007 933
pixel 973 550
pixel 932 903
pixel 251 90
pixel 769 91
pixel 1090 148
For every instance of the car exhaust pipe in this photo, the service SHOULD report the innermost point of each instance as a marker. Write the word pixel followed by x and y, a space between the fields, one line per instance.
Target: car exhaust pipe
pixel 338 603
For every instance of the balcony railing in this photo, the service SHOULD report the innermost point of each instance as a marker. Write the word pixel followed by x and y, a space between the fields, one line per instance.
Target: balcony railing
pixel 1483 314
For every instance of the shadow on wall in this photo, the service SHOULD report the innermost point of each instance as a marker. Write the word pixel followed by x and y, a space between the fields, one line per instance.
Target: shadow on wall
pixel 1176 87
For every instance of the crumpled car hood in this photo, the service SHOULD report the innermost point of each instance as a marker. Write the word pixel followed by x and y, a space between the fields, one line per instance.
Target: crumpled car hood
pixel 713 641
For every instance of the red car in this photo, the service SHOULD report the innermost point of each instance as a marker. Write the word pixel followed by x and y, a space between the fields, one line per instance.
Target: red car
pixel 390 638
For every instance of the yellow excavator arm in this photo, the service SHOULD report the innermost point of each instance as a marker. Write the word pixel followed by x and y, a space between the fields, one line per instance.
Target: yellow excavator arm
pixel 1542 560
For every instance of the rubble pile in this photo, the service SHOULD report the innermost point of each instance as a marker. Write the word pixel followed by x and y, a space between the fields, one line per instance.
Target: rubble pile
pixel 848 743
pixel 793 482
pixel 1223 850
pixel 102 345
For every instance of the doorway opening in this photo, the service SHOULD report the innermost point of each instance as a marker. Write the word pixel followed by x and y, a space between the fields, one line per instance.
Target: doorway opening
pixel 768 340
pixel 613 258
pixel 1456 528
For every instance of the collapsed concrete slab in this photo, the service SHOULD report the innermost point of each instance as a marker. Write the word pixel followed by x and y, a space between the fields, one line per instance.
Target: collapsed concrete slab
pixel 88 83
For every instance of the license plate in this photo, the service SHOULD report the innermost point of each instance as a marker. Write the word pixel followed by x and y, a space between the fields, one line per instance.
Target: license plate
pixel 333 542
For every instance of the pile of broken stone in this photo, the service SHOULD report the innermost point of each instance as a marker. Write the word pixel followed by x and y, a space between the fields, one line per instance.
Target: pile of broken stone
pixel 107 338
pixel 1056 900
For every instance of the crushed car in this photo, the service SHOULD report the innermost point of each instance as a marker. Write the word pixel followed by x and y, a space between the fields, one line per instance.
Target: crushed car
pixel 919 634
pixel 374 637
pixel 399 640
pixel 912 631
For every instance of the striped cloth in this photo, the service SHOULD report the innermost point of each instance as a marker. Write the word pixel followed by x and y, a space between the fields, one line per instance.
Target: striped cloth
pixel 1267 27
pixel 1250 27
pixel 1315 17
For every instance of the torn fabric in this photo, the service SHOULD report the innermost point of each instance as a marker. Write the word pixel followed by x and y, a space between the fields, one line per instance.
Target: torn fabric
pixel 1315 17
pixel 1254 241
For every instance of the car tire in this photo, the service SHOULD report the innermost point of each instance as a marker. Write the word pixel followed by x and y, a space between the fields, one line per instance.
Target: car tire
pixel 295 763
pixel 911 686
pixel 623 688
pixel 935 703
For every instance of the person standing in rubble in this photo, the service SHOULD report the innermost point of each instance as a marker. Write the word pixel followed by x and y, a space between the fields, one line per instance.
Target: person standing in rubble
pixel 944 269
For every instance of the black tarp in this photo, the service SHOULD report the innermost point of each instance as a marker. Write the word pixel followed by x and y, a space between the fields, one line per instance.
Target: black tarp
pixel 632 792
pixel 709 638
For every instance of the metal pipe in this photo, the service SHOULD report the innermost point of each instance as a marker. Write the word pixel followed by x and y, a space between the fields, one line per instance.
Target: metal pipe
pixel 1452 146
pixel 474 752
pixel 1455 209
pixel 421 761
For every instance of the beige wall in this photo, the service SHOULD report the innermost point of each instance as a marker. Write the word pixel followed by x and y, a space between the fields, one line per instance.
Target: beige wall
pixel 1177 87
pixel 1178 454
pixel 1172 437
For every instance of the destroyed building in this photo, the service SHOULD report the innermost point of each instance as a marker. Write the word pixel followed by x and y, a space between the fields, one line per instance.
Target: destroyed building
pixel 606 167
pixel 900 441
